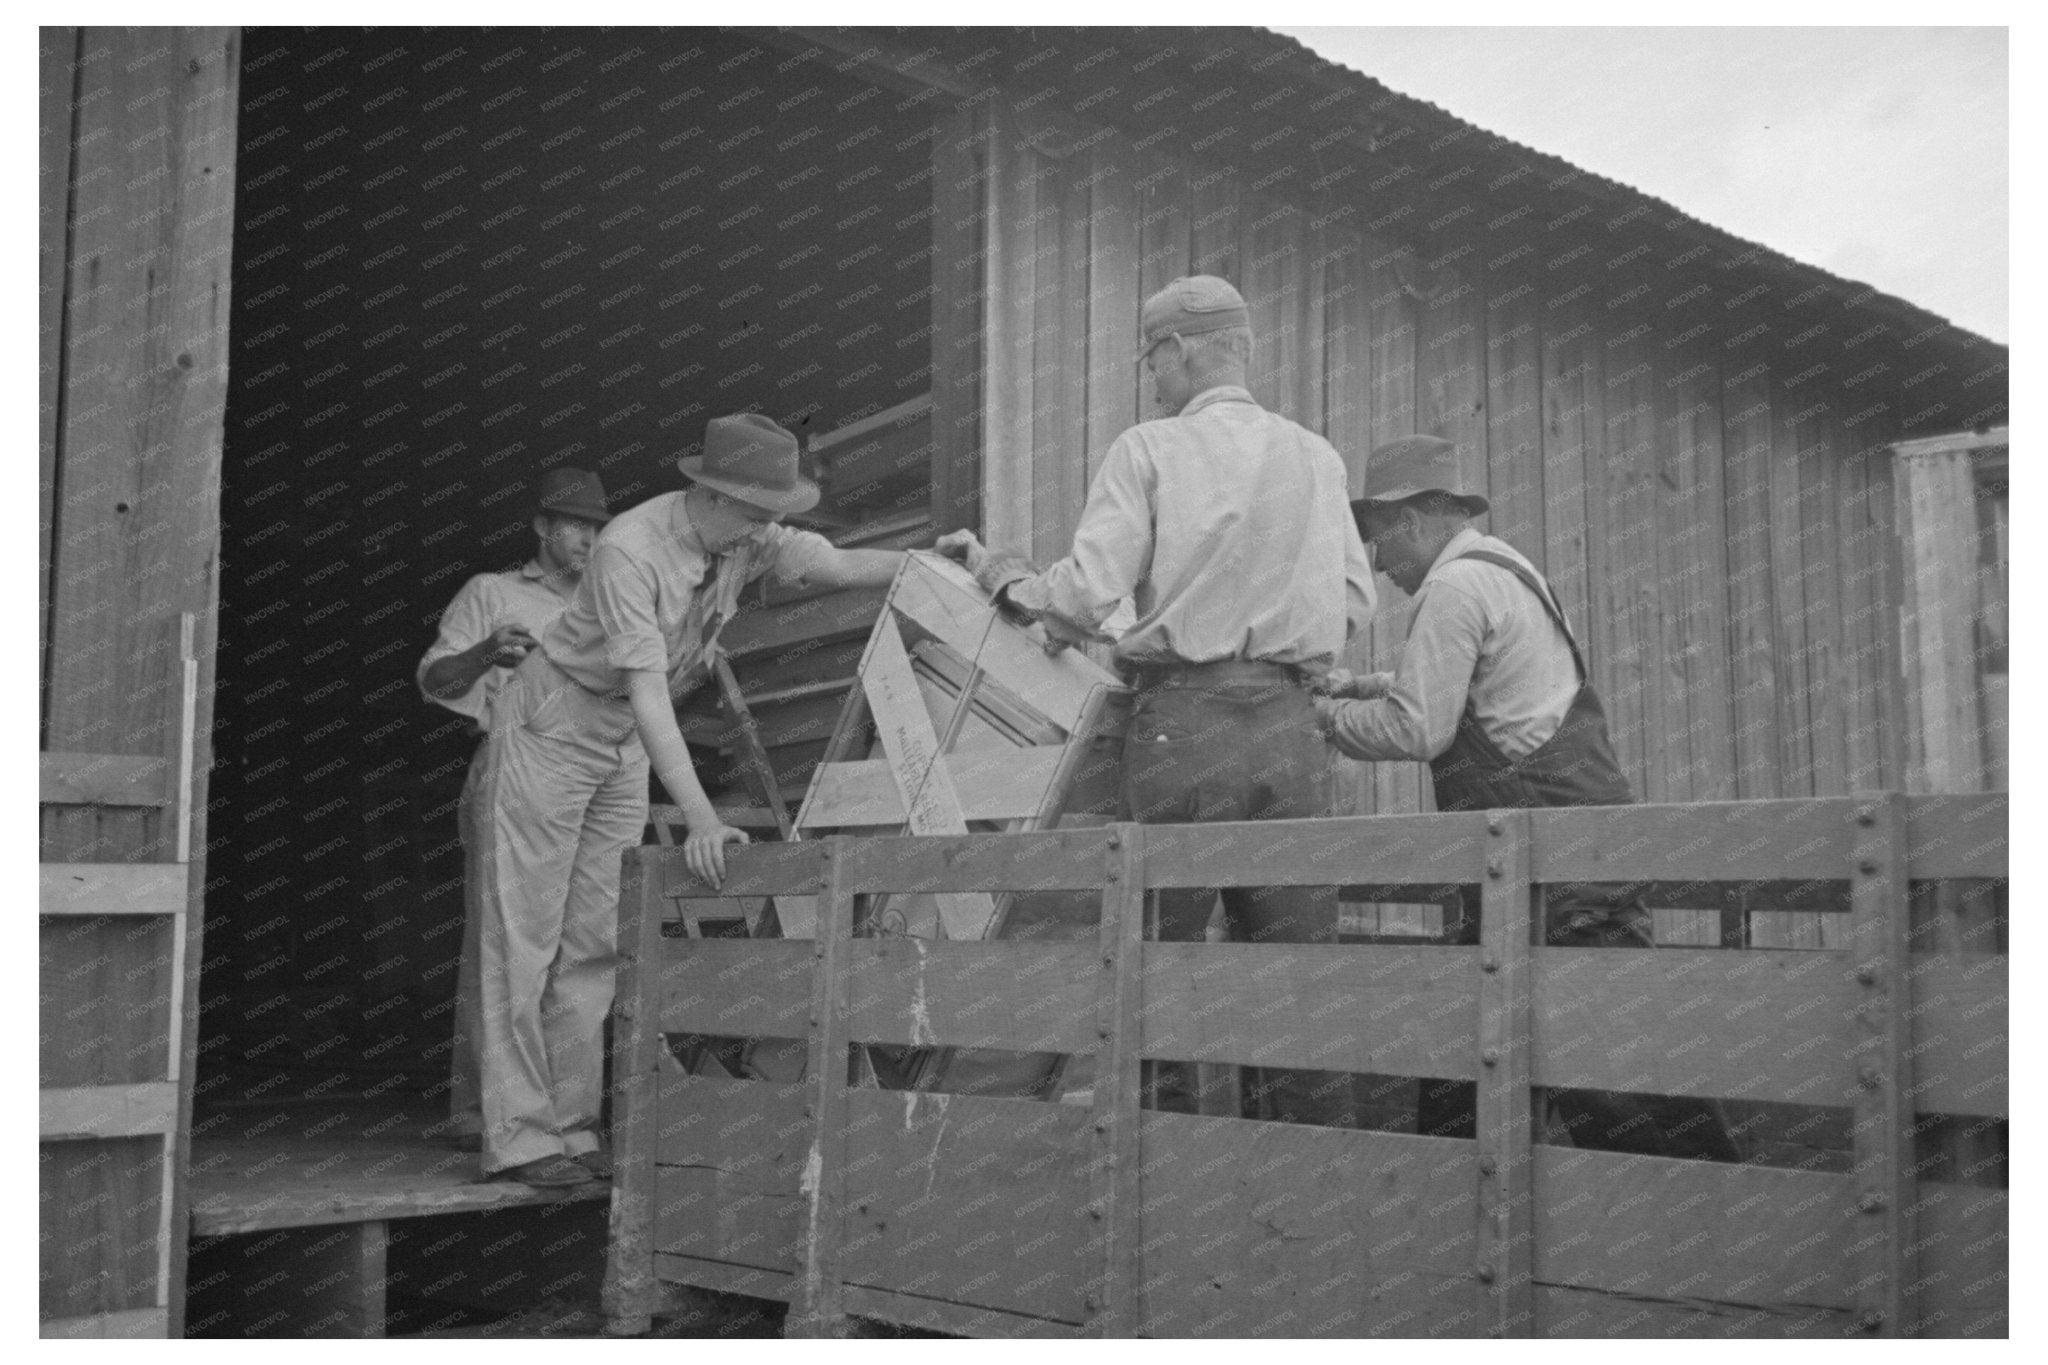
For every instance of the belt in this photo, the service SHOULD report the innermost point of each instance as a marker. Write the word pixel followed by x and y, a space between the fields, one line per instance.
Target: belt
pixel 1217 673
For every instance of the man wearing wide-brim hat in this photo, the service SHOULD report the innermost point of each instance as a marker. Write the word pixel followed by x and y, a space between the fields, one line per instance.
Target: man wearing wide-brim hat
pixel 1226 525
pixel 486 630
pixel 1493 692
pixel 575 733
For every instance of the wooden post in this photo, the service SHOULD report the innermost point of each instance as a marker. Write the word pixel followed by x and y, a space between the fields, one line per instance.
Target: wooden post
pixel 1883 1132
pixel 817 1310
pixel 1506 1234
pixel 1937 517
pixel 1113 1168
pixel 630 1291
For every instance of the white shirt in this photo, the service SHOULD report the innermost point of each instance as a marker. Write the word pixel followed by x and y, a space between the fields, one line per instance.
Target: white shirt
pixel 518 597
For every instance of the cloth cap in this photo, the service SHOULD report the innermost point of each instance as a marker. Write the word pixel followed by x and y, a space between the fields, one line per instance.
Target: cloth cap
pixel 571 493
pixel 749 457
pixel 1416 464
pixel 1191 305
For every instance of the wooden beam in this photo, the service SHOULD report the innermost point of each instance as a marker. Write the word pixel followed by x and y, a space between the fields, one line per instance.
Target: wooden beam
pixel 960 160
pixel 990 785
pixel 109 1111
pixel 1882 1060
pixel 1967 442
pixel 1507 1046
pixel 630 1293
pixel 818 1309
pixel 1937 521
pixel 112 889
pixel 103 780
pixel 58 80
pixel 129 1323
pixel 1115 1206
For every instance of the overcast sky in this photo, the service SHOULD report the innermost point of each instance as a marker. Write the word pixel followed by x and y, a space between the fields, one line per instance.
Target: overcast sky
pixel 1878 154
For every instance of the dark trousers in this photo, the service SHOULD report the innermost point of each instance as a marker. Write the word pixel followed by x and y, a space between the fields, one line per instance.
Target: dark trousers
pixel 1202 753
pixel 1601 1120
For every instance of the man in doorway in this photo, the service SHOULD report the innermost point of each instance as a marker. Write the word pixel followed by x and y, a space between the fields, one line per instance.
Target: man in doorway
pixel 486 630
pixel 576 731
pixel 1227 526
pixel 1492 691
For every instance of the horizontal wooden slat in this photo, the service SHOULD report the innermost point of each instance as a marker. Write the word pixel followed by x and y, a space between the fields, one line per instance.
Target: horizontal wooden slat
pixel 737 988
pixel 102 780
pixel 1957 836
pixel 939 599
pixel 1021 997
pixel 1394 849
pixel 932 1315
pixel 1396 1010
pixel 1273 1229
pixel 1008 785
pixel 1053 860
pixel 109 1111
pixel 1961 1020
pixel 112 889
pixel 1707 841
pixel 131 1323
pixel 723 1276
pixel 1758 1024
pixel 754 870
pixel 1661 1228
pixel 1578 1313
pixel 755 1131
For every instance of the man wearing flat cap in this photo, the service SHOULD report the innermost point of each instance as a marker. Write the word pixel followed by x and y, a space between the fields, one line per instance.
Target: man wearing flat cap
pixel 1493 692
pixel 575 733
pixel 1227 527
pixel 486 630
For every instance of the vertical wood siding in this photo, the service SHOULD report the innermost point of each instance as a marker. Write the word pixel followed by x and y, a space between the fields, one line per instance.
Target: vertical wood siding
pixel 1709 522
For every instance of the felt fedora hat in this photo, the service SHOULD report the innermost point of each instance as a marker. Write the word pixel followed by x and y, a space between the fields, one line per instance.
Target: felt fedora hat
pixel 571 493
pixel 1190 306
pixel 747 456
pixel 1416 464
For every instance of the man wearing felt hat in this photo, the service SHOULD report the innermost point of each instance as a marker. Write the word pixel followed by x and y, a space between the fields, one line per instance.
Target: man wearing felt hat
pixel 575 733
pixel 1493 692
pixel 486 630
pixel 1227 527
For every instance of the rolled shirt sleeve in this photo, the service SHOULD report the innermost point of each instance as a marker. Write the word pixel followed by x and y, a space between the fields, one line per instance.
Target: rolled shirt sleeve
pixel 623 592
pixel 464 621
pixel 1112 550
pixel 1419 715
pixel 793 556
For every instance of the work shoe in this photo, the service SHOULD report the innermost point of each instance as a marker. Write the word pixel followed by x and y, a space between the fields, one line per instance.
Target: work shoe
pixel 546 1173
pixel 598 1162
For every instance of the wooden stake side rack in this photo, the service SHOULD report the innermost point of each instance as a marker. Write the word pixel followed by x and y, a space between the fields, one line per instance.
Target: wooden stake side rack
pixel 994 1216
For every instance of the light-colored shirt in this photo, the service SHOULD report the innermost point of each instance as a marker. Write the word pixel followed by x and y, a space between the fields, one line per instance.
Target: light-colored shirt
pixel 643 603
pixel 1230 529
pixel 1477 632
pixel 524 597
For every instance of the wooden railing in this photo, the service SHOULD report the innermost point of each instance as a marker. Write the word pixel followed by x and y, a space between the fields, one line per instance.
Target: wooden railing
pixel 990 1216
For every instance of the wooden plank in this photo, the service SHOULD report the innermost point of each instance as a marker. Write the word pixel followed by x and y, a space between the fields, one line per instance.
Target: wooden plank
pixel 1936 496
pixel 932 1315
pixel 1583 1313
pixel 103 780
pixel 1009 297
pixel 1214 211
pixel 1791 648
pixel 1957 836
pixel 112 889
pixel 109 1111
pixel 816 1310
pixel 1059 421
pixel 939 598
pixel 1022 997
pixel 1416 849
pixel 1692 553
pixel 1961 1051
pixel 990 785
pixel 1061 860
pixel 105 1199
pixel 1718 841
pixel 1625 594
pixel 1965 1250
pixel 1113 1179
pixel 750 870
pixel 1507 1044
pixel 1661 1228
pixel 1748 455
pixel 1515 417
pixel 923 782
pixel 1758 1024
pixel 133 1323
pixel 1450 359
pixel 960 188
pixel 1867 541
pixel 1816 428
pixel 1115 241
pixel 982 1202
pixel 629 1292
pixel 1258 1229
pixel 1389 1010
pixel 1882 1059
pixel 57 54
pixel 451 1189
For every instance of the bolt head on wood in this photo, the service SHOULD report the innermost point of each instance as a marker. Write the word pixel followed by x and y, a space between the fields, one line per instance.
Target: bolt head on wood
pixel 1487 1165
pixel 1494 827
pixel 1091 1303
pixel 1870 1075
pixel 1867 974
pixel 1871 1203
pixel 1115 843
pixel 1493 869
pixel 1865 816
pixel 1485 1273
pixel 1868 867
pixel 1113 877
pixel 1491 1056
pixel 1095 1211
pixel 1489 963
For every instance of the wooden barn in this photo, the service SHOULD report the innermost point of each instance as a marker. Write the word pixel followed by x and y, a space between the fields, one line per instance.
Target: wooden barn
pixel 319 308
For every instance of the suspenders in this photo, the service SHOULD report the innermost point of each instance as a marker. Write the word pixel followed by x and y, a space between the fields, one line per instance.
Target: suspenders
pixel 1542 591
